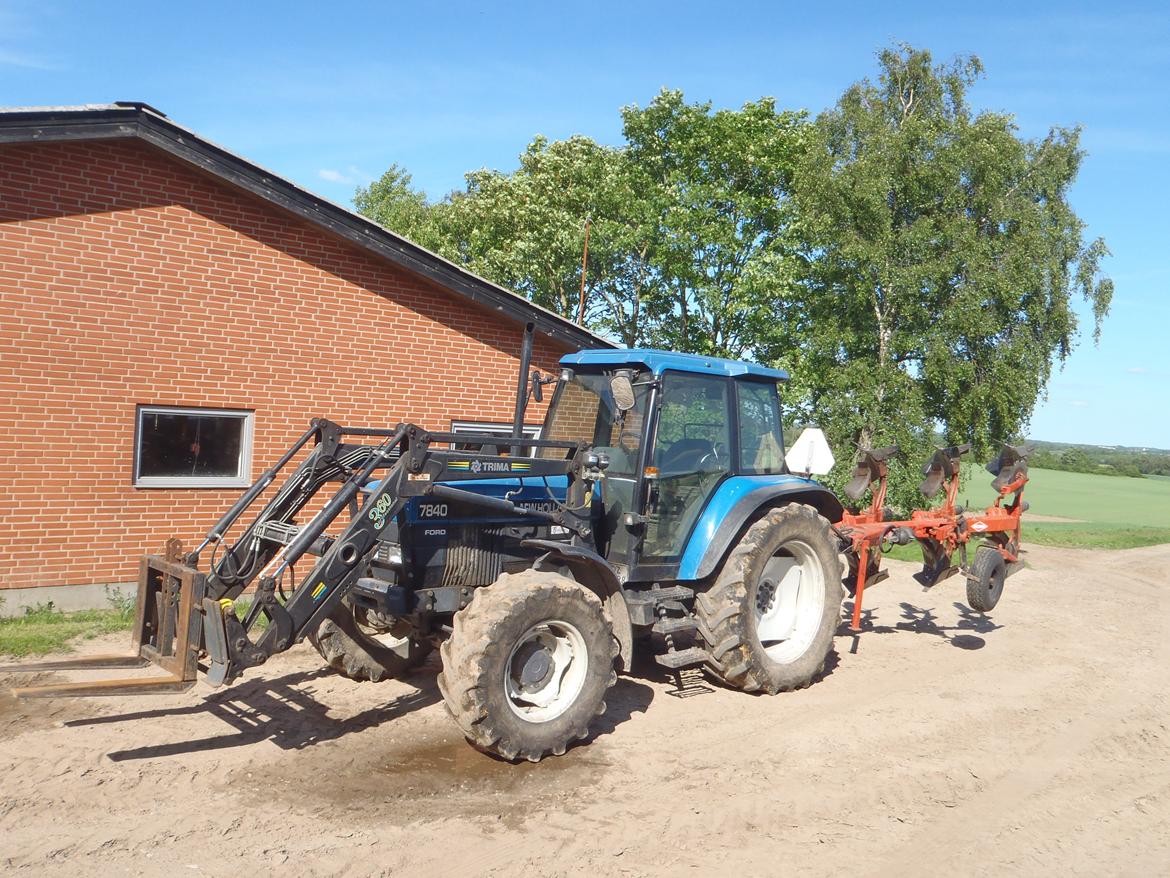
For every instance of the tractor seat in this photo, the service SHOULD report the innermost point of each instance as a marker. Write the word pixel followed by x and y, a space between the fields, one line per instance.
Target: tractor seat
pixel 868 469
pixel 941 467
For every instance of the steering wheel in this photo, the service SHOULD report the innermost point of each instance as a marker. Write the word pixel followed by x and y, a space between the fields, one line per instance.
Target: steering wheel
pixel 691 459
pixel 709 461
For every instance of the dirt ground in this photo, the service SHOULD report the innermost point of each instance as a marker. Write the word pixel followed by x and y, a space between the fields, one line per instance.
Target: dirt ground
pixel 1031 741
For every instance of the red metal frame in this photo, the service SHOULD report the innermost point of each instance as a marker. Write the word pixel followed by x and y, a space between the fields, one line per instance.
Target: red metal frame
pixel 945 526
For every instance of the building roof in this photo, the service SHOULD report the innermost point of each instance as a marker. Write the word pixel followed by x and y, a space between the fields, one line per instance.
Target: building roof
pixel 660 361
pixel 127 119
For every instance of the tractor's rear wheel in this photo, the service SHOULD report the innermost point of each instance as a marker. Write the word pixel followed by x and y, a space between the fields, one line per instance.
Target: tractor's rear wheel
pixel 769 619
pixel 359 648
pixel 985 579
pixel 527 665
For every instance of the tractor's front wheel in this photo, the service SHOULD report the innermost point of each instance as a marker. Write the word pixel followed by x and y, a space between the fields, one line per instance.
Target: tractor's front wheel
pixel 358 647
pixel 527 665
pixel 770 617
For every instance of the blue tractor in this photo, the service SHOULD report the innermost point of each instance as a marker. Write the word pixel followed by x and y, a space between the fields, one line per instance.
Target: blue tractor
pixel 656 507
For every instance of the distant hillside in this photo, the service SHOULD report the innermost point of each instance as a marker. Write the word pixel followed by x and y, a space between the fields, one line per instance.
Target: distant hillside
pixel 1040 444
pixel 1116 460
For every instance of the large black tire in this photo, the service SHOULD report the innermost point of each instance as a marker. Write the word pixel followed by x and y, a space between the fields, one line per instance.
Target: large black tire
pixel 985 579
pixel 356 654
pixel 486 652
pixel 727 612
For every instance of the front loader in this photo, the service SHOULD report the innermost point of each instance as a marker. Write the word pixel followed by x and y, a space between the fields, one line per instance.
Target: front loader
pixel 657 508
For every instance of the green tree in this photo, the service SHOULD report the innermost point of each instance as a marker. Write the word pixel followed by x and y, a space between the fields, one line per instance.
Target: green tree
pixel 526 230
pixel 718 184
pixel 688 224
pixel 393 202
pixel 942 262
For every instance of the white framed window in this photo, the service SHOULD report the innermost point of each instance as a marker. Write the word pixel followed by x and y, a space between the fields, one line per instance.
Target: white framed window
pixel 177 447
pixel 489 428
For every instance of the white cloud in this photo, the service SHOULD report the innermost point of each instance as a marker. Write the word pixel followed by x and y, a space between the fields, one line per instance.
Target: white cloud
pixel 1137 370
pixel 351 176
pixel 1078 403
pixel 9 58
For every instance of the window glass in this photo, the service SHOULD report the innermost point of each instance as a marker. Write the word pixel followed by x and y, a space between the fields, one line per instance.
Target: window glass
pixel 692 453
pixel 584 411
pixel 490 429
pixel 192 447
pixel 761 444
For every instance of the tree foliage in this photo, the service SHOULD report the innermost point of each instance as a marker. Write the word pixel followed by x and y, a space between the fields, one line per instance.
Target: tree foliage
pixel 915 264
pixel 942 262
pixel 687 222
pixel 718 185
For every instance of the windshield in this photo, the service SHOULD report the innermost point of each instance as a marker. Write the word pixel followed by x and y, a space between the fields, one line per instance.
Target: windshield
pixel 584 411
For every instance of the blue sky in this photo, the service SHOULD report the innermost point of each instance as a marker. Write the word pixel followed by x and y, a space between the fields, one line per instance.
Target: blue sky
pixel 329 95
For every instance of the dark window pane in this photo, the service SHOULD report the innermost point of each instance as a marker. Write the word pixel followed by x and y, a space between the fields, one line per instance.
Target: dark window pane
pixel 584 411
pixel 175 445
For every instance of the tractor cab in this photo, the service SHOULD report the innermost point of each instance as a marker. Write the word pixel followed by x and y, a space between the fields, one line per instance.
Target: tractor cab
pixel 684 434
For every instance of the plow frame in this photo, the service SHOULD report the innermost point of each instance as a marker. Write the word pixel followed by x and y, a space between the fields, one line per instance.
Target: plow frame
pixel 946 528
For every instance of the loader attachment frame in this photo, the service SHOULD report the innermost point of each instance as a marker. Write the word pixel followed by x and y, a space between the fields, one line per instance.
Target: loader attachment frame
pixel 167 629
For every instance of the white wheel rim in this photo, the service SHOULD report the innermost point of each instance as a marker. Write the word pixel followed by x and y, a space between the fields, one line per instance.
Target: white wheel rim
pixel 545 671
pixel 790 602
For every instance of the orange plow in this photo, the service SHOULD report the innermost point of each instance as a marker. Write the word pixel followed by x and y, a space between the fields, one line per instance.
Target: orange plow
pixel 942 530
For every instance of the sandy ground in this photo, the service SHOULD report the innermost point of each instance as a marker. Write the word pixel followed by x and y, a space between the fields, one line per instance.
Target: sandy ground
pixel 1032 741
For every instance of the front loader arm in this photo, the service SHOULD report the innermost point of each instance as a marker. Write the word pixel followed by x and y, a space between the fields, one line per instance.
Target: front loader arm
pixel 416 473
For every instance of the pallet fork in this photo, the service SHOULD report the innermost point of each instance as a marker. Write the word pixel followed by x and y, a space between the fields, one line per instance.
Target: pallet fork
pixel 166 633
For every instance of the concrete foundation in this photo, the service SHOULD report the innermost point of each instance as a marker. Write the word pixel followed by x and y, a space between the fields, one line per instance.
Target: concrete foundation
pixel 100 596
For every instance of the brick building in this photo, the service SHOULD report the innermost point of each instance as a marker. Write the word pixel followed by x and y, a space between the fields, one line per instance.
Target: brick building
pixel 172 316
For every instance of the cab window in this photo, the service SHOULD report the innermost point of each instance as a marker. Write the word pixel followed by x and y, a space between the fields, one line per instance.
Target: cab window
pixel 761 443
pixel 584 411
pixel 692 454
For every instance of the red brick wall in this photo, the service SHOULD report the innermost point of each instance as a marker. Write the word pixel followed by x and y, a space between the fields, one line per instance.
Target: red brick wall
pixel 128 278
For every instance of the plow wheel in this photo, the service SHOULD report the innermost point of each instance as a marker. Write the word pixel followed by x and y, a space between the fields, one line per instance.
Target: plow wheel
pixel 769 619
pixel 985 579
pixel 528 664
pixel 354 646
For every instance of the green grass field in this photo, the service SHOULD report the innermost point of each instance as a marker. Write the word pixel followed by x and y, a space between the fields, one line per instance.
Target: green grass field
pixel 1110 512
pixel 45 629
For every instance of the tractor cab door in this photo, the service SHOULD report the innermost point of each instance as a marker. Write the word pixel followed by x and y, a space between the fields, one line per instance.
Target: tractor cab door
pixel 692 454
pixel 583 409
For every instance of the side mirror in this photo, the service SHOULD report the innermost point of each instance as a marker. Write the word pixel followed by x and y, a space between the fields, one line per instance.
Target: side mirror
pixel 810 454
pixel 622 391
pixel 537 392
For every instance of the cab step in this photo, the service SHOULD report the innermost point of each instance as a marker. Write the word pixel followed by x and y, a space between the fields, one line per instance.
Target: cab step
pixel 643 605
pixel 682 658
pixel 667 625
pixel 658 595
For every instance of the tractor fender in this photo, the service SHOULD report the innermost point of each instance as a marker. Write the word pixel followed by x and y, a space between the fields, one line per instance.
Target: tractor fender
pixel 595 573
pixel 738 502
